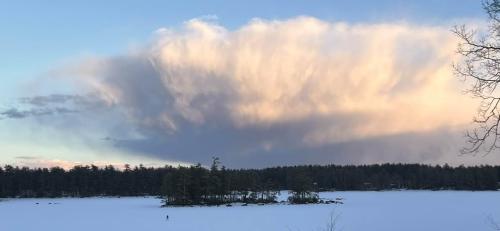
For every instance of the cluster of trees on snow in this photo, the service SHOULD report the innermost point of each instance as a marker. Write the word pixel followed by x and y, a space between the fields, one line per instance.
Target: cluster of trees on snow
pixel 217 184
pixel 196 185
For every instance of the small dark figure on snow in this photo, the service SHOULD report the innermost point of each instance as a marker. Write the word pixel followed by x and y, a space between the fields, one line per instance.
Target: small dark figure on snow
pixel 167 217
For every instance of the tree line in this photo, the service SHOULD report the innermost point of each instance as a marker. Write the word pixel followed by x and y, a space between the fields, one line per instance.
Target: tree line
pixel 216 184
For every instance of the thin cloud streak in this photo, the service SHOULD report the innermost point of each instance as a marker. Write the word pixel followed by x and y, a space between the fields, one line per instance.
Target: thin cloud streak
pixel 49 105
pixel 15 113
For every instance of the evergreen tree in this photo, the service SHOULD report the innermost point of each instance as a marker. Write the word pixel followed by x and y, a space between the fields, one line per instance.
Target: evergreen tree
pixel 302 189
pixel 218 185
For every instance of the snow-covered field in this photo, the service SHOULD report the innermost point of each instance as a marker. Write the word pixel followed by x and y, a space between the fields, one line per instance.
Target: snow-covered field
pixel 392 210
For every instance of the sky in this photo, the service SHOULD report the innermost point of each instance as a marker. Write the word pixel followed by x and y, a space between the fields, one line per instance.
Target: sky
pixel 256 83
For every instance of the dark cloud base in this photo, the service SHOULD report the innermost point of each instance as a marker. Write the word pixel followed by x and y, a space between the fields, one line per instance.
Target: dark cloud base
pixel 436 147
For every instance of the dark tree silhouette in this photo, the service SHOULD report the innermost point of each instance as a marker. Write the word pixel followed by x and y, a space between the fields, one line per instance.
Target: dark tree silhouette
pixel 303 189
pixel 481 66
pixel 217 185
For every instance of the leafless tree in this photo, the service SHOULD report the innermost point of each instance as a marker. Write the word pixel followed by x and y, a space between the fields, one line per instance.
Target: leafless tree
pixel 480 65
pixel 332 224
pixel 493 224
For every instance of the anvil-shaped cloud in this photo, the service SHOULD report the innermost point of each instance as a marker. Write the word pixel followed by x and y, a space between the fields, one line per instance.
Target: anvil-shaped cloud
pixel 295 91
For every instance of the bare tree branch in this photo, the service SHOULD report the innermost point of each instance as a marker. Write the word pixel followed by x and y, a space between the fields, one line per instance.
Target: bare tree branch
pixel 493 224
pixel 481 66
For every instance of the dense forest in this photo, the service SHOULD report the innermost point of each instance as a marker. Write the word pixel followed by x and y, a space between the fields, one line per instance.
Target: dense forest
pixel 216 184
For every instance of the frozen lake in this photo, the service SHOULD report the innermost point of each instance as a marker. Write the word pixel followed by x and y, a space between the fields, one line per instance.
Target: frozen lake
pixel 390 210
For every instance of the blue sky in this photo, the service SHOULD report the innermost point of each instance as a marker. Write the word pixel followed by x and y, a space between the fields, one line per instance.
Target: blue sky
pixel 38 37
pixel 35 36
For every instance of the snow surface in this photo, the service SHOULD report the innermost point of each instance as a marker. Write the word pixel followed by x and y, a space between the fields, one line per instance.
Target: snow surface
pixel 389 210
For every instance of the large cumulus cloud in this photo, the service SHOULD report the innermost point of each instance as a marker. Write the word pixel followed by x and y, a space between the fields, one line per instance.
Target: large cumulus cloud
pixel 300 89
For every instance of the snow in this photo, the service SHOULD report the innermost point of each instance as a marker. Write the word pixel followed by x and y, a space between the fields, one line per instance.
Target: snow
pixel 389 210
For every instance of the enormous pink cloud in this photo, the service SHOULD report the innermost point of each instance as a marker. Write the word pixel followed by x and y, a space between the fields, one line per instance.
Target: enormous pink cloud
pixel 283 85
